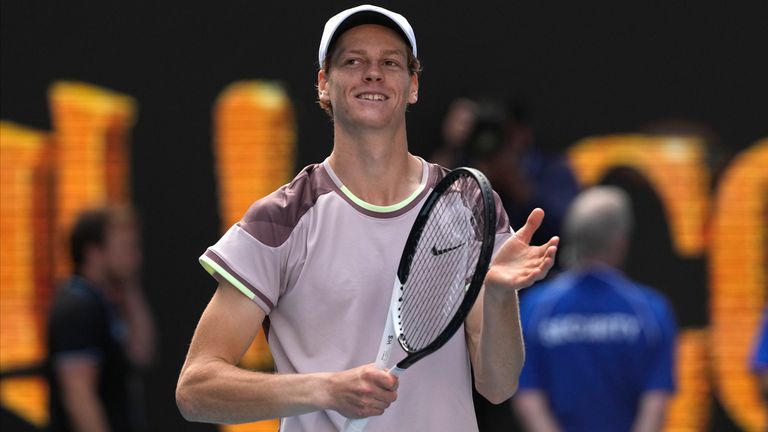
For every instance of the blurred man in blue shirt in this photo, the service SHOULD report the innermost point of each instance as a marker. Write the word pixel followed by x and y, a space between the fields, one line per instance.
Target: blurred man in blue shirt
pixel 599 347
pixel 760 357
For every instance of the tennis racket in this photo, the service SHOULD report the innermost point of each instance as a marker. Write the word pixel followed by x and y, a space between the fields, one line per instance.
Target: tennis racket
pixel 441 270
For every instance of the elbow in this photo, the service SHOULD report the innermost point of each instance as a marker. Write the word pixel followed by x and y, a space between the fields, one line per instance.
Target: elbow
pixel 497 393
pixel 185 399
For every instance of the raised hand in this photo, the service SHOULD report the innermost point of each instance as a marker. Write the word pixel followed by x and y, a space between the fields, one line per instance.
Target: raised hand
pixel 518 264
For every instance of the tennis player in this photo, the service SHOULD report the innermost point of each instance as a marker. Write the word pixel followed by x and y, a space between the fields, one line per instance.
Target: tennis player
pixel 314 262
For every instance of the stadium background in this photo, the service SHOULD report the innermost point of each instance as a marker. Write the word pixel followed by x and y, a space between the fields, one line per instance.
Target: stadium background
pixel 189 111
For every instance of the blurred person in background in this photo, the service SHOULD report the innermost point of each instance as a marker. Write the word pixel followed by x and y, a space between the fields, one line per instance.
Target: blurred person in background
pixel 100 331
pixel 457 125
pixel 502 145
pixel 599 347
pixel 760 357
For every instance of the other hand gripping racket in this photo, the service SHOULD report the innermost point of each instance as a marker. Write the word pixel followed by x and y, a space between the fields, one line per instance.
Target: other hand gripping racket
pixel 442 268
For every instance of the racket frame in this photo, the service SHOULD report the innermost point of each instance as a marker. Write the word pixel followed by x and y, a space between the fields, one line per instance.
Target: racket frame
pixel 476 283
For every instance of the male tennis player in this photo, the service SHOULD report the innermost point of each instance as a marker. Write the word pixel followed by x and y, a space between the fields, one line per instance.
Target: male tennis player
pixel 315 261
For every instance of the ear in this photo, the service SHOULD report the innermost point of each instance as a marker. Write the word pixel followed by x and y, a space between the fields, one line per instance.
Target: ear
pixel 413 93
pixel 322 86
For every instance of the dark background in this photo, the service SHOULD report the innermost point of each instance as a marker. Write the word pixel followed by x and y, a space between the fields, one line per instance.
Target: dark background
pixel 583 68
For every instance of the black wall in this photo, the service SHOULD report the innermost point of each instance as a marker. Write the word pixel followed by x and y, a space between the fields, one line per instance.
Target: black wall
pixel 584 67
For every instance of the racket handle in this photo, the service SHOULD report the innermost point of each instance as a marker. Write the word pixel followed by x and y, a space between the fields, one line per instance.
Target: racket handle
pixel 356 425
pixel 382 357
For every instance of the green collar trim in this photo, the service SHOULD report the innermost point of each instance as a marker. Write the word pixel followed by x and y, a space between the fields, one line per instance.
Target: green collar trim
pixel 379 208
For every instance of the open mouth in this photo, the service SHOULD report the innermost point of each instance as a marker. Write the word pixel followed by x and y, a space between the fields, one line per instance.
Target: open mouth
pixel 376 97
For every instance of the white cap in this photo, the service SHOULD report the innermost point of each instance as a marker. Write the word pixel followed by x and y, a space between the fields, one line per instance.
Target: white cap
pixel 364 14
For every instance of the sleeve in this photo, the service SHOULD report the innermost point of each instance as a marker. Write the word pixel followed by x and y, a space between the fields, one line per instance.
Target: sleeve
pixel 661 365
pixel 254 268
pixel 530 374
pixel 760 356
pixel 76 327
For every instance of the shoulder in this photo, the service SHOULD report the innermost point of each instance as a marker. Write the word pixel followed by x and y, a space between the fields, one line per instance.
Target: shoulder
pixel 655 299
pixel 544 294
pixel 74 301
pixel 658 311
pixel 74 295
pixel 272 218
pixel 437 172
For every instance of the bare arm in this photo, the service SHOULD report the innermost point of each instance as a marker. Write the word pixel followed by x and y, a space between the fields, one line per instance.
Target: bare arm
pixel 532 408
pixel 494 335
pixel 78 378
pixel 212 388
pixel 495 343
pixel 762 377
pixel 141 327
pixel 651 412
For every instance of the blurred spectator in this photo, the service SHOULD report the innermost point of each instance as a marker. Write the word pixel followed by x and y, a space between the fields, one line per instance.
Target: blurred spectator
pixel 458 123
pixel 100 330
pixel 502 146
pixel 599 347
pixel 760 357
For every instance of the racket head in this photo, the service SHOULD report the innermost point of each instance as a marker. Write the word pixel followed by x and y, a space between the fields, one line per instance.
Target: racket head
pixel 444 262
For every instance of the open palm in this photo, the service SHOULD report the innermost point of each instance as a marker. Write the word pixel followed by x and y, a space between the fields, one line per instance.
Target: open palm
pixel 518 264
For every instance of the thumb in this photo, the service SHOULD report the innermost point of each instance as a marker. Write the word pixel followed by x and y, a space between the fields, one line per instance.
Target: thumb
pixel 531 225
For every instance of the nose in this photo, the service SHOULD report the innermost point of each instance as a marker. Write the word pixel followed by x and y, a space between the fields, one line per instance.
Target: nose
pixel 373 72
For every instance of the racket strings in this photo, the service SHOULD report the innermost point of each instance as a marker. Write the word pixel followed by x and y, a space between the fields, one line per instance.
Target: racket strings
pixel 443 264
pixel 430 307
pixel 436 307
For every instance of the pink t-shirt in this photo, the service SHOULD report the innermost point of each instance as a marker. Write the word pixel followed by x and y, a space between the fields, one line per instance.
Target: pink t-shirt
pixel 321 263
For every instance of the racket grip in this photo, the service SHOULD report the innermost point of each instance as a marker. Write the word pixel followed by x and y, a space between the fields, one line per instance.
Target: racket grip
pixel 356 425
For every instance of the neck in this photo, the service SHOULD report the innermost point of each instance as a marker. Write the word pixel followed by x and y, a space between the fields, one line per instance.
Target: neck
pixel 375 165
pixel 601 262
pixel 95 276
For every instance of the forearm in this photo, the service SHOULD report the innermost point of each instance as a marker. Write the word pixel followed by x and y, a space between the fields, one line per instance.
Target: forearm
pixel 218 392
pixel 141 329
pixel 86 412
pixel 651 412
pixel 533 410
pixel 499 352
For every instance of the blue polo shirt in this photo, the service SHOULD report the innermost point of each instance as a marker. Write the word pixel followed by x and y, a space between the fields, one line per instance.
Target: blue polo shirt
pixel 760 355
pixel 595 341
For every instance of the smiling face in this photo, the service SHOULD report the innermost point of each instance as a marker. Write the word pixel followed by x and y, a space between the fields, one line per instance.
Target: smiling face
pixel 368 82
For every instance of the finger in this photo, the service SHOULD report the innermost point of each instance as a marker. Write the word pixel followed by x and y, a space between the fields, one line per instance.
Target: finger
pixel 540 272
pixel 384 396
pixel 547 247
pixel 531 225
pixel 374 412
pixel 368 411
pixel 551 252
pixel 379 404
pixel 384 380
